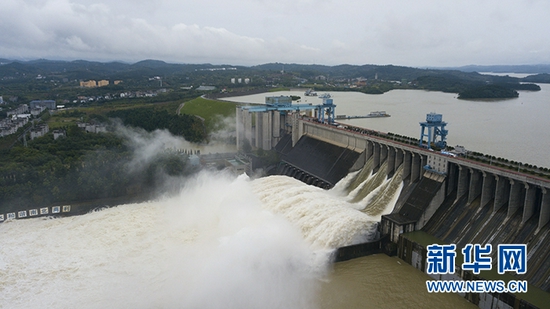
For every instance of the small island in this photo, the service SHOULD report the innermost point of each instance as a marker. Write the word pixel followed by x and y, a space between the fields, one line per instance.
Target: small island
pixel 497 91
pixel 488 92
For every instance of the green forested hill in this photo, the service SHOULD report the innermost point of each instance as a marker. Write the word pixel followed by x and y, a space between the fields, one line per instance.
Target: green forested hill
pixel 59 80
pixel 148 118
pixel 82 166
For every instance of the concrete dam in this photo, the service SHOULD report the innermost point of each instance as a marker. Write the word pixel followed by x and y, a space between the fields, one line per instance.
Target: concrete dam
pixel 456 200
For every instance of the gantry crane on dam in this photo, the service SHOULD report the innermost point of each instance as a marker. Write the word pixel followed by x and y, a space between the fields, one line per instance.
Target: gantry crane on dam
pixel 436 128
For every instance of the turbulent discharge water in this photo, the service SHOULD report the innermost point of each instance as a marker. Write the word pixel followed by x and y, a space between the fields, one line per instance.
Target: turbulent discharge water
pixel 325 220
pixel 221 243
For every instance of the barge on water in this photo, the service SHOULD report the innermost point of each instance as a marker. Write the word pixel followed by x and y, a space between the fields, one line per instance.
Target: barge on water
pixel 377 114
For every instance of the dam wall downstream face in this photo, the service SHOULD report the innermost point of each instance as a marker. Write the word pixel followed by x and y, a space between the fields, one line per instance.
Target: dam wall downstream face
pixel 456 200
pixel 325 163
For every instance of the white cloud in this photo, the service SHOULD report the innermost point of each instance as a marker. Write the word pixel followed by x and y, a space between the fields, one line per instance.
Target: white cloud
pixel 424 32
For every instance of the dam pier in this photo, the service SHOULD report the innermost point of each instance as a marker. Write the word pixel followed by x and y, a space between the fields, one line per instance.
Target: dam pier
pixel 444 198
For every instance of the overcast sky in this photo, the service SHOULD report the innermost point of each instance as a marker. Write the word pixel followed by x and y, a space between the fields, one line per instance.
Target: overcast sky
pixel 249 32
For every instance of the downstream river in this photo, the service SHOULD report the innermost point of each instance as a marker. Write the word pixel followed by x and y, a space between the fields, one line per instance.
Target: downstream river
pixel 221 243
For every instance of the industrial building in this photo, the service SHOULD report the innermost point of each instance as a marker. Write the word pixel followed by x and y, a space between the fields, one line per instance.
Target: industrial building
pixel 92 83
pixel 263 126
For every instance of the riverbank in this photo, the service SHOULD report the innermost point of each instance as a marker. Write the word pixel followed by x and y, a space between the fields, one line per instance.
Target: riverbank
pixel 71 208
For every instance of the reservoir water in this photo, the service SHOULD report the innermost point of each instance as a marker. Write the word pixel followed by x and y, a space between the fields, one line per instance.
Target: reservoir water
pixel 515 129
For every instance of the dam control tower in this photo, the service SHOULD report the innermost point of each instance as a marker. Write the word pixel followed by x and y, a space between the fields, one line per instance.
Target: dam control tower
pixel 263 125
pixel 436 128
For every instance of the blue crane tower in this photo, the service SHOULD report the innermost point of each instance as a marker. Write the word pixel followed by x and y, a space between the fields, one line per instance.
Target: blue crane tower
pixel 436 127
pixel 327 108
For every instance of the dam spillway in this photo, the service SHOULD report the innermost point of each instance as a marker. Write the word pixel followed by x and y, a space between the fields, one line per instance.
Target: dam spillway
pixel 460 201
pixel 326 163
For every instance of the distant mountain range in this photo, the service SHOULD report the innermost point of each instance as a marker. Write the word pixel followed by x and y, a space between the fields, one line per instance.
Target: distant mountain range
pixel 92 69
pixel 520 69
pixel 81 70
pixel 52 66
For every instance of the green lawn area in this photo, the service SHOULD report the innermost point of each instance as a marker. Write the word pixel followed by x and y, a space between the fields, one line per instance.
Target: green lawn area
pixel 279 89
pixel 212 111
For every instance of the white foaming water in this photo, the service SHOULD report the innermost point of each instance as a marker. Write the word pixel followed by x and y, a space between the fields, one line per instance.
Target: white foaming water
pixel 383 198
pixel 213 246
pixel 326 220
pixel 221 243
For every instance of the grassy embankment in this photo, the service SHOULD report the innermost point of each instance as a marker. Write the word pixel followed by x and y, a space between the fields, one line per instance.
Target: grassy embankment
pixel 212 111
pixel 63 118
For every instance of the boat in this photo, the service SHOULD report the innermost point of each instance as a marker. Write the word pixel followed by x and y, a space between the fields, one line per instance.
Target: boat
pixel 310 93
pixel 378 114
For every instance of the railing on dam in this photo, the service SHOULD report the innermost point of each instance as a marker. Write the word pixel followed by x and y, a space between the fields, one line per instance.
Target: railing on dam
pixel 359 138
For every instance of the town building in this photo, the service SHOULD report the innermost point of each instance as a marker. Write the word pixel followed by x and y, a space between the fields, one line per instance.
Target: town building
pixel 92 83
pixel 88 84
pixel 36 111
pixel 58 134
pixel 11 125
pixel 50 104
pixel 92 127
pixel 21 109
pixel 206 88
pixel 39 131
